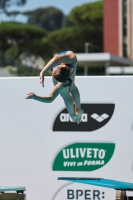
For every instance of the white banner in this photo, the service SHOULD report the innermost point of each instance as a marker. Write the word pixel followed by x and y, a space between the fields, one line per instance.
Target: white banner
pixel 39 143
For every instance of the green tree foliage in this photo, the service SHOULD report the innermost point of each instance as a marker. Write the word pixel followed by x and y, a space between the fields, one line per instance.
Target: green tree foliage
pixel 89 20
pixel 67 38
pixel 5 4
pixel 67 22
pixel 86 26
pixel 19 38
pixel 49 18
pixel 43 48
pixel 13 13
pixel 27 71
pixel 88 14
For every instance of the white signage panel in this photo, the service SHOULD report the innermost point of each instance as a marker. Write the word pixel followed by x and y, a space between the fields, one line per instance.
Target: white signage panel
pixel 39 143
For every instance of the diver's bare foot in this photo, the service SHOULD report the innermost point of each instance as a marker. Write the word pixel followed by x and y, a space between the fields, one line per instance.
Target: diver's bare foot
pixel 79 116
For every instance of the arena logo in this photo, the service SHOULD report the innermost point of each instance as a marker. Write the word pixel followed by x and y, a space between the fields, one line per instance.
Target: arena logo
pixel 95 116
pixel 83 157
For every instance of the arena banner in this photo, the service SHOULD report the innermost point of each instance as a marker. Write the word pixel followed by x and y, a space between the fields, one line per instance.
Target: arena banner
pixel 39 141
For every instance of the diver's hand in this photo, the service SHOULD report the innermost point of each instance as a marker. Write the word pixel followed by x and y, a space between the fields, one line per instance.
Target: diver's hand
pixel 30 95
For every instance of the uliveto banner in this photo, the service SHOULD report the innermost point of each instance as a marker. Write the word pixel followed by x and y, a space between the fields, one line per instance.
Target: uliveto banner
pixel 39 142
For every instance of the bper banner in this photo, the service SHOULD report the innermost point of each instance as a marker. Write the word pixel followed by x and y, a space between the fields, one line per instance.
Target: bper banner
pixel 39 141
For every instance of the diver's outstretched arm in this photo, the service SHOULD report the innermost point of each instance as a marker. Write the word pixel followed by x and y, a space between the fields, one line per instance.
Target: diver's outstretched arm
pixel 47 99
pixel 55 92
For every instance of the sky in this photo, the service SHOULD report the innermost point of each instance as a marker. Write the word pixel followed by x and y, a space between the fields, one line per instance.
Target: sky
pixel 64 6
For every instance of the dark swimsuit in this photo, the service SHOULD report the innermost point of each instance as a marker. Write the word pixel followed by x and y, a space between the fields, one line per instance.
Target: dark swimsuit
pixel 70 81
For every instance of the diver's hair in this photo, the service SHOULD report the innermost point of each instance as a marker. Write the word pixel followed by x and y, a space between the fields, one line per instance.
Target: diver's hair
pixel 61 74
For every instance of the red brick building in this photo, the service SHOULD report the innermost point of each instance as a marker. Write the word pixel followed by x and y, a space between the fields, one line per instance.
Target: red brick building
pixel 118 27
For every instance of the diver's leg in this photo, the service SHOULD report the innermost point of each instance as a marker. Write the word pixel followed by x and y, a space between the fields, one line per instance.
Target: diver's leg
pixel 76 97
pixel 68 100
